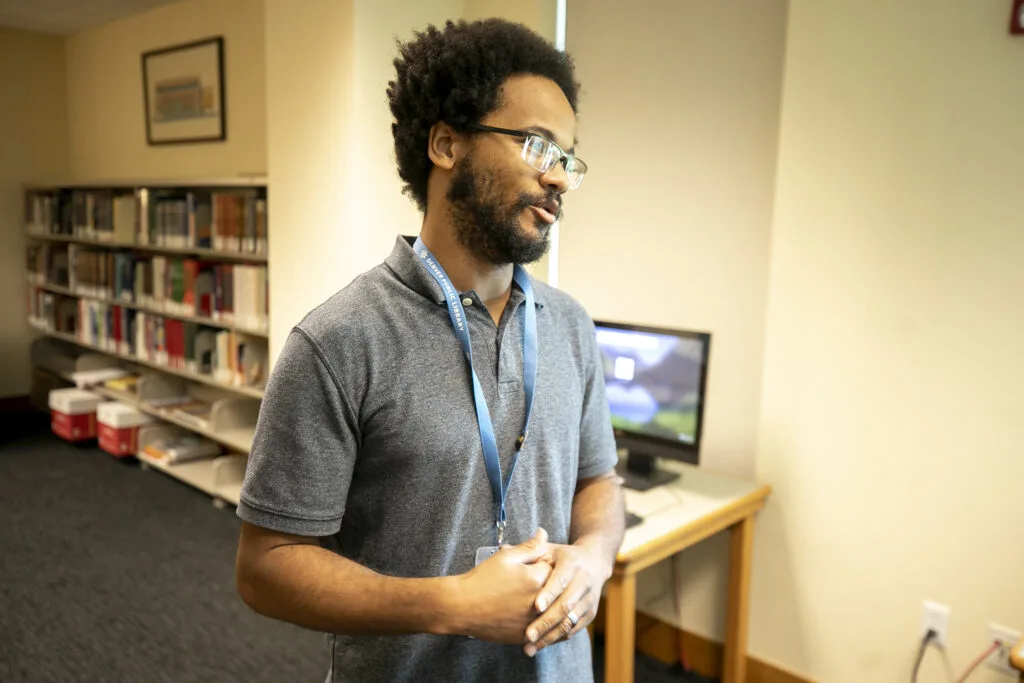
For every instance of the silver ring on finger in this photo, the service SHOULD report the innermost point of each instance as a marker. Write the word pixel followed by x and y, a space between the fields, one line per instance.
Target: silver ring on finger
pixel 573 619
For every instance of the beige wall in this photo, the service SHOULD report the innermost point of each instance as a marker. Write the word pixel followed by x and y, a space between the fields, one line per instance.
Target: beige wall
pixel 307 138
pixel 107 132
pixel 537 14
pixel 379 211
pixel 678 122
pixel 33 148
pixel 893 378
pixel 331 155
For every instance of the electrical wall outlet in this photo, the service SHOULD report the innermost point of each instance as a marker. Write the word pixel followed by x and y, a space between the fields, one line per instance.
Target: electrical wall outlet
pixel 935 618
pixel 1007 639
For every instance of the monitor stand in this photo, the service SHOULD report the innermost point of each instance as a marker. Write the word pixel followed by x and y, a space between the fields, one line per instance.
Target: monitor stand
pixel 633 520
pixel 641 472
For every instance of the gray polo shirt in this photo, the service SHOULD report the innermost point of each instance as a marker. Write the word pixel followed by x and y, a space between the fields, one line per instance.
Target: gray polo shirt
pixel 368 438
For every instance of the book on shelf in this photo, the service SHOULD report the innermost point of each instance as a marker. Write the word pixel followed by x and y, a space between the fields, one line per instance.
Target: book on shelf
pixel 85 379
pixel 195 412
pixel 173 277
pixel 233 294
pixel 222 219
pixel 169 276
pixel 53 312
pixel 180 448
pixel 126 383
pixel 225 356
pixel 48 265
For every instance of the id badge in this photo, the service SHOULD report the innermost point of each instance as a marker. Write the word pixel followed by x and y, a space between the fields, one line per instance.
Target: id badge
pixel 484 552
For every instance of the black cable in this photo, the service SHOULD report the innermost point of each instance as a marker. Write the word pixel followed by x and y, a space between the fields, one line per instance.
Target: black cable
pixel 928 638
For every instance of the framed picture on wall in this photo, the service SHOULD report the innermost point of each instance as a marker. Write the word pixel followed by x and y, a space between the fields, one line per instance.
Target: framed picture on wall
pixel 183 87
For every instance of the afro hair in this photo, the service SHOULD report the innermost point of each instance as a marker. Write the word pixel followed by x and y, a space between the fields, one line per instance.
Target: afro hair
pixel 455 75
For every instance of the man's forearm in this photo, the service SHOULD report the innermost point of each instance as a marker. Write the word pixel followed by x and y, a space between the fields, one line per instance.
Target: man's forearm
pixel 599 517
pixel 314 588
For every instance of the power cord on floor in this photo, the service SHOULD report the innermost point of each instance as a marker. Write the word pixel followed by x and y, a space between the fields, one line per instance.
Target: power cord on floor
pixel 977 662
pixel 925 641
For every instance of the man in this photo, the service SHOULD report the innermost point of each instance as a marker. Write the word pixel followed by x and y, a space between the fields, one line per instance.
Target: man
pixel 385 473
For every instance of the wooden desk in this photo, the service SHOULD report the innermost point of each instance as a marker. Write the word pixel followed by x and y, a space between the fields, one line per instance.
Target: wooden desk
pixel 677 516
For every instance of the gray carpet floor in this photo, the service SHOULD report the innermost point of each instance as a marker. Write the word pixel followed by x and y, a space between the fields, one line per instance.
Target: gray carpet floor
pixel 110 573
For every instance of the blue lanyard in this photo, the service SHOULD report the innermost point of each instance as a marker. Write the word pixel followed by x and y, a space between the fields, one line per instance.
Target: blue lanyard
pixel 461 326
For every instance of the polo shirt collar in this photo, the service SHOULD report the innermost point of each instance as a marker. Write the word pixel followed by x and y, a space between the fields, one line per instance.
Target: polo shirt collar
pixel 404 263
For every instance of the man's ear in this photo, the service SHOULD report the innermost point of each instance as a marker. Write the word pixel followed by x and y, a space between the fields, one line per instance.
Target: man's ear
pixel 444 145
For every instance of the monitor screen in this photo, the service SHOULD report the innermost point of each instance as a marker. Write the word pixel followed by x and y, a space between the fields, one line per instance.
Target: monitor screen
pixel 655 380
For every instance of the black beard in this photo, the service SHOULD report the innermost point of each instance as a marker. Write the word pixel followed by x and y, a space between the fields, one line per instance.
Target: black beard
pixel 488 230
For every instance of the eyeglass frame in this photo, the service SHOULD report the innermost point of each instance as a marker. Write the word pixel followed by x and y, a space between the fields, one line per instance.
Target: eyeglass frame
pixel 563 155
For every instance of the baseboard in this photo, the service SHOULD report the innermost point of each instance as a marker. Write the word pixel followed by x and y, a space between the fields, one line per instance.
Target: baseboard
pixel 664 642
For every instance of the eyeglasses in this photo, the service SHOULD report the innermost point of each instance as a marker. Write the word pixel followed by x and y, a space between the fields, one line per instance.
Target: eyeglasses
pixel 542 153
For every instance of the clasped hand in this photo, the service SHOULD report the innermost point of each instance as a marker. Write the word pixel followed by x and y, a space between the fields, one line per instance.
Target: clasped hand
pixel 551 589
pixel 568 601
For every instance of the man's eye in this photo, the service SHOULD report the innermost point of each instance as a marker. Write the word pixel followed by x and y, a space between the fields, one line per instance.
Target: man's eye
pixel 537 152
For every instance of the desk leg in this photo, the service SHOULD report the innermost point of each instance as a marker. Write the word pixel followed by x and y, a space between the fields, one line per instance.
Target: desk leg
pixel 620 629
pixel 740 558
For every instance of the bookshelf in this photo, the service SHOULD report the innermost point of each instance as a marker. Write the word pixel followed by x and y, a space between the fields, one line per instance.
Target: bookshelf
pixel 255 331
pixel 156 249
pixel 165 281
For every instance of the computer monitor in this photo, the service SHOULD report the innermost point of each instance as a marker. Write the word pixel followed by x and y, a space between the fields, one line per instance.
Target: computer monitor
pixel 655 380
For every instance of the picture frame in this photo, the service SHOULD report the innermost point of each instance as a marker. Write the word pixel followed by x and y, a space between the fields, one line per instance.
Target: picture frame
pixel 183 93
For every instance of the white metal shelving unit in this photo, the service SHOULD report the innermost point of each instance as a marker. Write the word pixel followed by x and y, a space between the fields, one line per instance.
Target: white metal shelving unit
pixel 235 406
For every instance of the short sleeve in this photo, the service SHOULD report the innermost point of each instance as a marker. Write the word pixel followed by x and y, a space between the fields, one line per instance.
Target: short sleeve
pixel 304 449
pixel 597 441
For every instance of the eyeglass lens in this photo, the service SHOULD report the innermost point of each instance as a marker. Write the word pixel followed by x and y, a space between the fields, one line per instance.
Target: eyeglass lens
pixel 543 155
